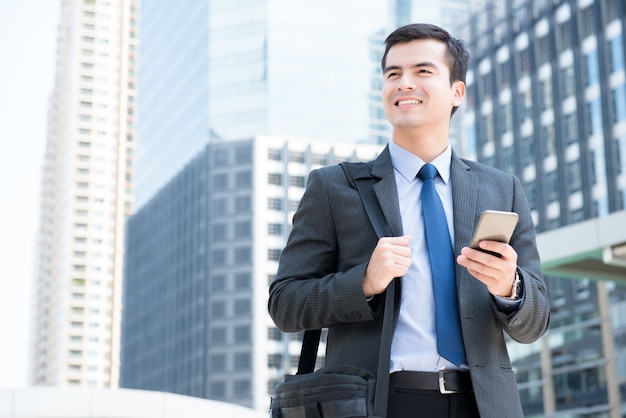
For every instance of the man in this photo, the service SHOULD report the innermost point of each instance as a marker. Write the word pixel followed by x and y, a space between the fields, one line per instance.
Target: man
pixel 334 270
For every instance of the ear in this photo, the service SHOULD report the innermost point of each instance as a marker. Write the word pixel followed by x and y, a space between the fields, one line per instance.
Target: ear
pixel 458 88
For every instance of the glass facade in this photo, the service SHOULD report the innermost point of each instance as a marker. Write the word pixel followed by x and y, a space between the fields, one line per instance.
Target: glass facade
pixel 545 101
pixel 230 70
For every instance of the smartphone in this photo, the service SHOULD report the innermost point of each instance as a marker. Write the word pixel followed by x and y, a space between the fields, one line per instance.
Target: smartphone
pixel 494 225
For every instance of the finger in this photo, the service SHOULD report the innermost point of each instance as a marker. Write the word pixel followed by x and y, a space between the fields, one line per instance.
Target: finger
pixel 505 250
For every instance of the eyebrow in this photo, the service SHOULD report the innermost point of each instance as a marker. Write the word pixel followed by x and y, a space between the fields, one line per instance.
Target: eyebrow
pixel 418 65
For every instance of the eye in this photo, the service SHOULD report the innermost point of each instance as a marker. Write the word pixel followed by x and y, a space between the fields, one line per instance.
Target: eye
pixel 391 74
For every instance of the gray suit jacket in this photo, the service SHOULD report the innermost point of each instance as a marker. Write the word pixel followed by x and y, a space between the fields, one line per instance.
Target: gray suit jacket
pixel 319 278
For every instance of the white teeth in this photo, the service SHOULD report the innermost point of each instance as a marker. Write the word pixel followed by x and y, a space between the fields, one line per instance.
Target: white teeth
pixel 412 101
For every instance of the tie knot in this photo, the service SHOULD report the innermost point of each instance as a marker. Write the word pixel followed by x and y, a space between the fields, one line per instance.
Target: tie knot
pixel 427 172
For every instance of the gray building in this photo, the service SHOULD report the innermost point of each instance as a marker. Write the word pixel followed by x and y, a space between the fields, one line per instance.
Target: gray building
pixel 547 101
pixel 199 258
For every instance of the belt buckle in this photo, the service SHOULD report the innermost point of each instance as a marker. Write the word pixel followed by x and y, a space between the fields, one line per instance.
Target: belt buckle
pixel 442 383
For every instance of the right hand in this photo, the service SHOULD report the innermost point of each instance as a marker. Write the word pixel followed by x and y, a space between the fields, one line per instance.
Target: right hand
pixel 391 258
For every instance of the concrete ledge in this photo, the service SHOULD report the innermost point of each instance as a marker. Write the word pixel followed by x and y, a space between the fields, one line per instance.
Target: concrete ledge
pixel 53 402
pixel 582 249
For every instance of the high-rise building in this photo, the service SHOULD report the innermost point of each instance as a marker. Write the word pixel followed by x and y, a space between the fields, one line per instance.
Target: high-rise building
pixel 86 197
pixel 213 70
pixel 547 101
pixel 199 259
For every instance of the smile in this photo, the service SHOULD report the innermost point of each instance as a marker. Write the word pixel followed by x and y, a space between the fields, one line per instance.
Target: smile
pixel 409 101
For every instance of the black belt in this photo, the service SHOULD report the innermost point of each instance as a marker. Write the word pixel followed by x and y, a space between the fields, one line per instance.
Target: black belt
pixel 444 381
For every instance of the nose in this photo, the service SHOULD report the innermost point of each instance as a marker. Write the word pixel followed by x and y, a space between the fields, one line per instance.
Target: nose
pixel 406 83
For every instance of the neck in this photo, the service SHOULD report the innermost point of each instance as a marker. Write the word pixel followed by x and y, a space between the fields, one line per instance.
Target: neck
pixel 426 146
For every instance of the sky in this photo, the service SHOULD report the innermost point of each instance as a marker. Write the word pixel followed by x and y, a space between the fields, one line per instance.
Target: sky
pixel 27 59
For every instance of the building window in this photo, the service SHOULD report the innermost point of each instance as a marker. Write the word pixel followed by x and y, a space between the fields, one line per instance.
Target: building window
pixel 619 103
pixel 545 94
pixel 242 307
pixel 594 113
pixel 243 154
pixel 242 281
pixel 552 186
pixel 242 204
pixel 243 229
pixel 218 257
pixel 523 62
pixel 275 178
pixel 220 182
pixel 275 154
pixel 243 179
pixel 275 229
pixel 320 159
pixel 274 361
pixel 241 388
pixel 221 157
pixel 543 50
pixel 219 231
pixel 525 104
pixel 586 21
pixel 617 53
pixel 275 204
pixel 531 193
pixel 218 390
pixel 218 282
pixel 218 309
pixel 218 362
pixel 564 35
pixel 571 129
pixel 574 176
pixel 621 154
pixel 274 334
pixel 219 206
pixel 273 254
pixel 243 255
pixel 528 150
pixel 242 361
pixel 297 181
pixel 568 81
pixel 218 336
pixel 242 334
pixel 296 157
pixel 592 72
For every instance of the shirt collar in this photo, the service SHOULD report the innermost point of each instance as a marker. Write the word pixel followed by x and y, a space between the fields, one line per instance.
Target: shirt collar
pixel 408 164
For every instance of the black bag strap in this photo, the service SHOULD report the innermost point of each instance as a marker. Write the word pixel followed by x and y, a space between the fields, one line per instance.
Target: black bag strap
pixel 359 175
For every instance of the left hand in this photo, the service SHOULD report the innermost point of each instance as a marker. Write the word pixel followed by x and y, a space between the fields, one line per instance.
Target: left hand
pixel 497 273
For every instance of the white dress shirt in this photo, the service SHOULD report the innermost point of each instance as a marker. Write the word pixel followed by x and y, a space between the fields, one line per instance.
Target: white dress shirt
pixel 414 345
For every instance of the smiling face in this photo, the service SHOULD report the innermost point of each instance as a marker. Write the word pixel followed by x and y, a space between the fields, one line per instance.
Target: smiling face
pixel 417 95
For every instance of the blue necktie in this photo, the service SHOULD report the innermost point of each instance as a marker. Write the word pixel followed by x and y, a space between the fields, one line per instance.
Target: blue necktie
pixel 449 337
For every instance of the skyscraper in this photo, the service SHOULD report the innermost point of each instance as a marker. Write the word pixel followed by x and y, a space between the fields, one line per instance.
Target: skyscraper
pixel 86 196
pixel 547 101
pixel 230 70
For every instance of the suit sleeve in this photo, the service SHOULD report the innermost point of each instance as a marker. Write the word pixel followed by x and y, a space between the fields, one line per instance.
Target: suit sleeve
pixel 315 287
pixel 531 320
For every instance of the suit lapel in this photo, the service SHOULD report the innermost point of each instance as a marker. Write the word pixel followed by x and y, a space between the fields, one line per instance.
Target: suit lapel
pixel 464 199
pixel 386 191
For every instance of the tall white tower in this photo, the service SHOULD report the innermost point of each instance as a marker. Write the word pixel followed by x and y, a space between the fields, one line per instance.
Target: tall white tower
pixel 86 196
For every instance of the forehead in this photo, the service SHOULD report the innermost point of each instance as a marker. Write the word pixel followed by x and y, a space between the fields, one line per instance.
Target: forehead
pixel 419 50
